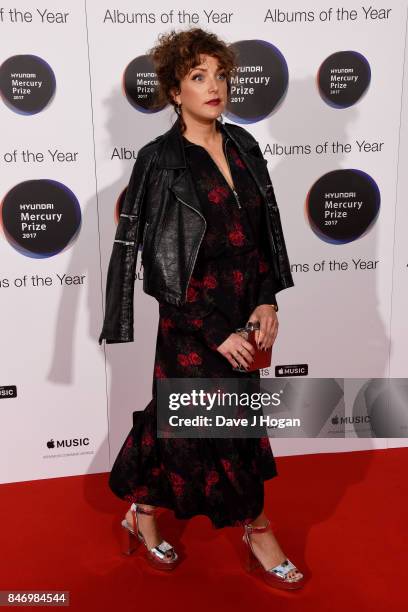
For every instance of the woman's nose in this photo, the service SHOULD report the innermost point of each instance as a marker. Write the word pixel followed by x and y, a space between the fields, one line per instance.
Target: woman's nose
pixel 213 86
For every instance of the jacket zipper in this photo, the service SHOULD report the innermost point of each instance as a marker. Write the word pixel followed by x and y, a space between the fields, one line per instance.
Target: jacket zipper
pixel 144 236
pixel 233 190
pixel 201 239
pixel 269 206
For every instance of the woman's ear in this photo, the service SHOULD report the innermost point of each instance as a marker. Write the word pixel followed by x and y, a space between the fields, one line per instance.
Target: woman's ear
pixel 175 94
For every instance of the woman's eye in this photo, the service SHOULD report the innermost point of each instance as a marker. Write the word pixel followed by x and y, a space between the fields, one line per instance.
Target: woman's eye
pixel 223 76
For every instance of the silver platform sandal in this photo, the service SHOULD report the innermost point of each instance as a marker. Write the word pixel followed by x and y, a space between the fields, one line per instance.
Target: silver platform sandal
pixel 162 557
pixel 275 576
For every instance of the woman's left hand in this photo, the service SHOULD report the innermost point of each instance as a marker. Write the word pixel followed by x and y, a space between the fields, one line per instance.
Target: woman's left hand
pixel 268 320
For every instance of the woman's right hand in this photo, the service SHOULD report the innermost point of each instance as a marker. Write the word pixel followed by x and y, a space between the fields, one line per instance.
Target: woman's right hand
pixel 237 350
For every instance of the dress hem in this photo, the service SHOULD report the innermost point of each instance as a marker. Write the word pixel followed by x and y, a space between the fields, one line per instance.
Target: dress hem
pixel 186 516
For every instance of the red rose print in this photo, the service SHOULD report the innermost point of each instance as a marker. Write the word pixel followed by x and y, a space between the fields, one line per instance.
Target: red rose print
pixel 210 282
pixel 191 294
pixel 197 322
pixel 166 323
pixel 237 160
pixel 217 195
pixel 128 446
pixel 238 277
pixel 129 442
pixel 195 358
pixel 147 439
pixel 141 491
pixel 158 371
pixel 177 483
pixel 211 478
pixel 264 443
pixel 263 266
pixel 176 478
pixel 183 360
pixel 236 236
pixel 228 469
pixel 192 358
pixel 156 471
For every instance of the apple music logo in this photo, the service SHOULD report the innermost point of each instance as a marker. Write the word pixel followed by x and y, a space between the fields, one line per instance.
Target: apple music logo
pixel 300 369
pixel 67 443
pixel 7 391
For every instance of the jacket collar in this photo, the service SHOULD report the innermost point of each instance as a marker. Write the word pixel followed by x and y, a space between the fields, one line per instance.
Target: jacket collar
pixel 172 150
pixel 171 156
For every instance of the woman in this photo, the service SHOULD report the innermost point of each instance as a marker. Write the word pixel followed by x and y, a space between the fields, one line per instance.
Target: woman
pixel 214 256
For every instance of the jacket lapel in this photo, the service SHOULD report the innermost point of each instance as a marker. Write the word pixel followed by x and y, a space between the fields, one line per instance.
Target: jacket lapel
pixel 258 169
pixel 183 188
pixel 172 157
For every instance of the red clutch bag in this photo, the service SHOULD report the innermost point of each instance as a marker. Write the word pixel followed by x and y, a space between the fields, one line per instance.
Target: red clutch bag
pixel 262 359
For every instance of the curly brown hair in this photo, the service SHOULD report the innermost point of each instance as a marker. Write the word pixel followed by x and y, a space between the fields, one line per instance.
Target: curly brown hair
pixel 176 53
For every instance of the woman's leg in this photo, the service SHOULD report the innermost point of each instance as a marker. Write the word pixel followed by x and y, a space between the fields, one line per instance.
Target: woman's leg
pixel 148 527
pixel 266 546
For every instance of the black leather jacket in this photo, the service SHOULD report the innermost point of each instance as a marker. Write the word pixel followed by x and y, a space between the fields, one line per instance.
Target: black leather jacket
pixel 162 212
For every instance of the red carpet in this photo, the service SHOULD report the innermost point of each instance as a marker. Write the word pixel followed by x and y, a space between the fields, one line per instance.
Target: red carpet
pixel 342 518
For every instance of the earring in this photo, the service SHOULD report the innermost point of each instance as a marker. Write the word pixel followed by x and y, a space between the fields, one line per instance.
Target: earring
pixel 177 108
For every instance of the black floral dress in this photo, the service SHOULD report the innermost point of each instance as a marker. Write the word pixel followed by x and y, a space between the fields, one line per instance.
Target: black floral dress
pixel 221 478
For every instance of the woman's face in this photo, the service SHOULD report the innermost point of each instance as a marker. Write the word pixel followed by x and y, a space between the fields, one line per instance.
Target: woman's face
pixel 204 83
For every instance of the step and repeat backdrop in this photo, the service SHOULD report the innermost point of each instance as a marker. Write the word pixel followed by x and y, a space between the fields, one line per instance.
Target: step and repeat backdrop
pixel 321 87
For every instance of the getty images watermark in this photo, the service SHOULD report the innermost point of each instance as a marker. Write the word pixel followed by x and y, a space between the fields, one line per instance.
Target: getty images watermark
pixel 252 407
pixel 217 408
pixel 206 400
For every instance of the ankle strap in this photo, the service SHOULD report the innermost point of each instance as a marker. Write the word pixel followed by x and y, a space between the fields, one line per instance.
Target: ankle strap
pixel 250 528
pixel 137 508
